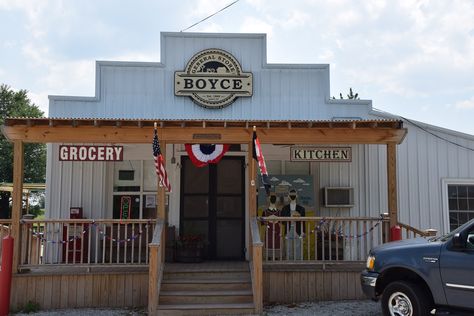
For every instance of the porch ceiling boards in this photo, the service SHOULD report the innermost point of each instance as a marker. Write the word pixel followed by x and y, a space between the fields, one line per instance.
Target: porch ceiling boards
pixel 93 130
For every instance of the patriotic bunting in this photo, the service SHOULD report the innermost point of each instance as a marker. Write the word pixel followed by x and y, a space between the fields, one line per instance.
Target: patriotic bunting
pixel 203 154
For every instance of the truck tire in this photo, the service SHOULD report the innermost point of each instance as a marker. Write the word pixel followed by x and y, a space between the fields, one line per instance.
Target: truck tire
pixel 403 298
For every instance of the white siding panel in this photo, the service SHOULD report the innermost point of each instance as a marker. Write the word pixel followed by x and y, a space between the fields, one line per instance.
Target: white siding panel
pixel 423 161
pixel 74 184
pixel 146 90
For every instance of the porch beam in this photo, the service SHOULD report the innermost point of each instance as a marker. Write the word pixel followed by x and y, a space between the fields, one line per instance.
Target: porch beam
pixel 392 183
pixel 17 196
pixel 199 135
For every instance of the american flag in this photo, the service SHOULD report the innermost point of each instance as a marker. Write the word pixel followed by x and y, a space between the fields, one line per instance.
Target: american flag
pixel 258 155
pixel 160 163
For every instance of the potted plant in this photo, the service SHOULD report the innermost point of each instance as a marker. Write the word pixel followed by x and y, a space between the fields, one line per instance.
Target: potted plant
pixel 190 248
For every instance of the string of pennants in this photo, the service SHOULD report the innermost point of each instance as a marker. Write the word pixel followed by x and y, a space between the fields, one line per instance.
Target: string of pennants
pixel 323 222
pixel 86 228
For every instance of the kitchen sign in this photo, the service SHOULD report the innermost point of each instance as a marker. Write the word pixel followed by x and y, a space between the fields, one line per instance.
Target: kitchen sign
pixel 330 154
pixel 90 153
pixel 213 79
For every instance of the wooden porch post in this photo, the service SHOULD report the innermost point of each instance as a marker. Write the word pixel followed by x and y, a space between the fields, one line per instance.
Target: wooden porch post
pixel 17 195
pixel 392 183
pixel 162 205
pixel 161 194
pixel 251 193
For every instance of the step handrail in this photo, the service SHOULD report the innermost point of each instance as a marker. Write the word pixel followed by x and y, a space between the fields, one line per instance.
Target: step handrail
pixel 256 266
pixel 155 269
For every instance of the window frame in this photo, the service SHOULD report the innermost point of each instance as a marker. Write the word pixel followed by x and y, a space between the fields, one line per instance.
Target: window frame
pixel 445 182
pixel 142 193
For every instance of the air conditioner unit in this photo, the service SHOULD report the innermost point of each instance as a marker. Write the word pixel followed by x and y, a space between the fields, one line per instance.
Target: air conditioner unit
pixel 338 197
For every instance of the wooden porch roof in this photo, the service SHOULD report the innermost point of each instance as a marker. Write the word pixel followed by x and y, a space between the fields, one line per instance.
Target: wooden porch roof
pixel 103 130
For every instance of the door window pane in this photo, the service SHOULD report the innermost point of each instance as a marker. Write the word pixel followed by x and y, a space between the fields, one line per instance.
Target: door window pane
pixel 229 176
pixel 195 206
pixel 198 178
pixel 229 238
pixel 229 206
pixel 195 227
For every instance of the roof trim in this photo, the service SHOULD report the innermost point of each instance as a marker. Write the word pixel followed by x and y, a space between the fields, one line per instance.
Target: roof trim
pixel 74 122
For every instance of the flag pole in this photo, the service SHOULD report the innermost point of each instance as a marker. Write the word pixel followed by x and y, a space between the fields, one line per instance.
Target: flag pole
pixel 253 185
pixel 158 187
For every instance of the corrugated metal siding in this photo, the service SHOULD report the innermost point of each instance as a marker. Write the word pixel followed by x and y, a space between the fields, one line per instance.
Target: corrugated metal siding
pixel 423 162
pixel 72 184
pixel 146 90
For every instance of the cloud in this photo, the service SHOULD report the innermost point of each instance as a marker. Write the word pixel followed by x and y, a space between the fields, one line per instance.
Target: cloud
pixel 274 179
pixel 255 25
pixel 306 184
pixel 285 183
pixel 465 104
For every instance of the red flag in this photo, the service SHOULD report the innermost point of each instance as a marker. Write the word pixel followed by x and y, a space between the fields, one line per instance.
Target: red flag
pixel 160 163
pixel 258 155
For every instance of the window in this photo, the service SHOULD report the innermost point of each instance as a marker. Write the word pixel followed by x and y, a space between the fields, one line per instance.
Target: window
pixel 460 204
pixel 135 181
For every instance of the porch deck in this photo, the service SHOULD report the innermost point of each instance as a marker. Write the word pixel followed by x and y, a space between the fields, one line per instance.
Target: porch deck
pixel 91 279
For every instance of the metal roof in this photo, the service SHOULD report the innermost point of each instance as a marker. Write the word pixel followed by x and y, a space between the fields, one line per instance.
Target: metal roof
pixel 74 122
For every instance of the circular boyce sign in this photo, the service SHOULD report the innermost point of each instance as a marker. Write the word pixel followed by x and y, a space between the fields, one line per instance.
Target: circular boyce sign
pixel 213 79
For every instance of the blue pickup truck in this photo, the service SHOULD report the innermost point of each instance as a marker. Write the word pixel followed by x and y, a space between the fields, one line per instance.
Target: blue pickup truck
pixel 416 276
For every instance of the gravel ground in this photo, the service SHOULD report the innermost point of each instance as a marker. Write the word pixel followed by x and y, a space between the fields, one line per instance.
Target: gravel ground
pixel 327 308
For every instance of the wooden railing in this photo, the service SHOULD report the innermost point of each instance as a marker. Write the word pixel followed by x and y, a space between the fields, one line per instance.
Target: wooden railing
pixel 5 230
pixel 155 271
pixel 83 241
pixel 256 266
pixel 412 232
pixel 321 238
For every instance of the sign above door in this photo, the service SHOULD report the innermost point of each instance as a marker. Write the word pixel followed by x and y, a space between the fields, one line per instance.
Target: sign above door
pixel 213 78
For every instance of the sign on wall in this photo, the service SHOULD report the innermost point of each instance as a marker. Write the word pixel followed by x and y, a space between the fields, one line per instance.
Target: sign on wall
pixel 213 78
pixel 125 206
pixel 90 153
pixel 332 154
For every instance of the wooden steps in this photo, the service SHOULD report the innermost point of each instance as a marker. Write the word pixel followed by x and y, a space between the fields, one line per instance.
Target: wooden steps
pixel 206 289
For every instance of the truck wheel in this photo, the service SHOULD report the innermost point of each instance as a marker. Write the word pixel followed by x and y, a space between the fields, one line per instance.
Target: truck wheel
pixel 402 298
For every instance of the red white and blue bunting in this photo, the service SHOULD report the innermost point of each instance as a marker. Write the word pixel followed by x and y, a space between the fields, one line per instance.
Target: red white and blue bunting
pixel 203 154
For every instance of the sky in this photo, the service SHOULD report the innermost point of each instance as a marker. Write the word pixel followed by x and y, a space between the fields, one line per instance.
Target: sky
pixel 411 58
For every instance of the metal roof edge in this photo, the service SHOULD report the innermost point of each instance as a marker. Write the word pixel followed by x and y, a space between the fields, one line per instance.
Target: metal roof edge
pixel 424 125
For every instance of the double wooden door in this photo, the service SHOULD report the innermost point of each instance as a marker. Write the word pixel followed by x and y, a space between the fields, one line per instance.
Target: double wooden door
pixel 213 205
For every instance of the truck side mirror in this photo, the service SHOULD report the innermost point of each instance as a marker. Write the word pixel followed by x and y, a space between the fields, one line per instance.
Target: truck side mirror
pixel 458 241
pixel 471 240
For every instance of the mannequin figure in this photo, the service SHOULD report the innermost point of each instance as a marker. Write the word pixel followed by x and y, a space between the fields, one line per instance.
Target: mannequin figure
pixel 272 231
pixel 294 230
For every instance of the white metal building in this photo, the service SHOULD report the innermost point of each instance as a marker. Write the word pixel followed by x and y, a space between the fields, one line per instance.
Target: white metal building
pixel 435 166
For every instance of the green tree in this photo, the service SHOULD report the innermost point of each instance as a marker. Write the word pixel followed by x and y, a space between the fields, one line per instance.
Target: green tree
pixel 17 104
pixel 350 96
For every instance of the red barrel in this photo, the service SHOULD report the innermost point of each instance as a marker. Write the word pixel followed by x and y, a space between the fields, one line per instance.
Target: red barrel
pixel 395 233
pixel 6 275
